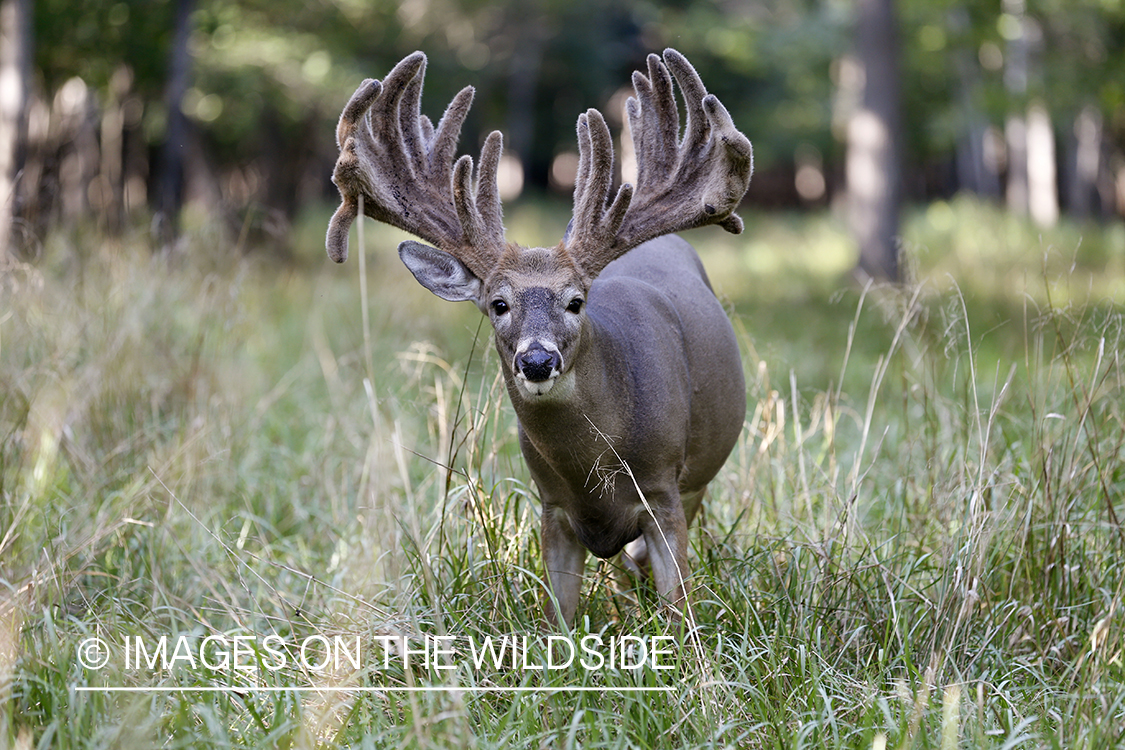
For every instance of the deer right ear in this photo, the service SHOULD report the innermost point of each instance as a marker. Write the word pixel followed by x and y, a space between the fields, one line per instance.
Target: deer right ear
pixel 440 272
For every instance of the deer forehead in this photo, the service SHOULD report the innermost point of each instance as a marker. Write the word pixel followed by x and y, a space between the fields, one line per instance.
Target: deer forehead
pixel 548 268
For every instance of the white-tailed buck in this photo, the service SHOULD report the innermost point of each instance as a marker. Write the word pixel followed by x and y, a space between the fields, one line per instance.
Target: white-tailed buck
pixel 620 362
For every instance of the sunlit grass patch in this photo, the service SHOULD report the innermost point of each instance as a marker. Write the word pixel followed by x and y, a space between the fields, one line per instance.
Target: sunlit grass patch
pixel 994 253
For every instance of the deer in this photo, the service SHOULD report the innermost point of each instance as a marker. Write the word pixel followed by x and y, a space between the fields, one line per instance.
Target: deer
pixel 620 362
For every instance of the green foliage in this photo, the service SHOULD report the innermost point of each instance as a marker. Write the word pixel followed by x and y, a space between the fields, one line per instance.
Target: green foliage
pixel 917 541
pixel 93 39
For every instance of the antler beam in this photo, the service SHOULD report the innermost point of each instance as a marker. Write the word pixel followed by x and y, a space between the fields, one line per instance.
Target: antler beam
pixel 403 166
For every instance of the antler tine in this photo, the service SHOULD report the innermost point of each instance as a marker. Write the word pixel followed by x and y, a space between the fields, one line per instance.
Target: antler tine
pixel 595 221
pixel 478 209
pixel 403 166
pixel 656 150
pixel 694 92
pixel 681 184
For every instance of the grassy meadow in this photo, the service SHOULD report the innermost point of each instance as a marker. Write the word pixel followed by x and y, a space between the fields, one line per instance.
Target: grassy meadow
pixel 917 542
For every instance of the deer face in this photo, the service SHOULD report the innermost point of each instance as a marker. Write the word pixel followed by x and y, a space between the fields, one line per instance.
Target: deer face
pixel 535 300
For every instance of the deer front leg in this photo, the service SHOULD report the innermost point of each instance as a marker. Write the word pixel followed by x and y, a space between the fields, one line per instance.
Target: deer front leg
pixel 564 559
pixel 666 541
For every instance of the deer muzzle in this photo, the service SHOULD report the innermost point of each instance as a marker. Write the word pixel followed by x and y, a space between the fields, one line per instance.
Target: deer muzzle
pixel 536 368
pixel 537 364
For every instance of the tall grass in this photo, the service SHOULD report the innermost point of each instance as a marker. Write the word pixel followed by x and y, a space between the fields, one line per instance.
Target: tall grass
pixel 917 542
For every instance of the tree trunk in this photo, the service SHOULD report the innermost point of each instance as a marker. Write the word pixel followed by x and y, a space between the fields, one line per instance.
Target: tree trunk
pixel 1085 163
pixel 974 173
pixel 111 180
pixel 873 167
pixel 15 59
pixel 1042 177
pixel 170 183
pixel 523 81
pixel 1015 135
pixel 1016 65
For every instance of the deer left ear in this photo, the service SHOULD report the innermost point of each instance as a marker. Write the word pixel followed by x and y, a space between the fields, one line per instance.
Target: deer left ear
pixel 440 272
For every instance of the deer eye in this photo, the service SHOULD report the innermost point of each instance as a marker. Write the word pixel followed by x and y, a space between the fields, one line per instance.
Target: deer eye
pixel 499 306
pixel 575 306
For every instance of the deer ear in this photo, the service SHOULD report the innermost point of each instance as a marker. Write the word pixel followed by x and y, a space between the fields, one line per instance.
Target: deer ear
pixel 440 272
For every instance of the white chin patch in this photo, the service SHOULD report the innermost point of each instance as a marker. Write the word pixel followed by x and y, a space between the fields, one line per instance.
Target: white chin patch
pixel 535 390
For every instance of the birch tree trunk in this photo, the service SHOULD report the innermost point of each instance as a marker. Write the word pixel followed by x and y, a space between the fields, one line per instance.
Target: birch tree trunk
pixel 1042 175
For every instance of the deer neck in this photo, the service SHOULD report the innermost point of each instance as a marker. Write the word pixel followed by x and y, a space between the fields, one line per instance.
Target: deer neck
pixel 591 397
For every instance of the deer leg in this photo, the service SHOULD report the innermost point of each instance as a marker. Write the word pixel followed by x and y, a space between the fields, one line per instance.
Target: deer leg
pixel 634 559
pixel 564 558
pixel 666 541
pixel 633 568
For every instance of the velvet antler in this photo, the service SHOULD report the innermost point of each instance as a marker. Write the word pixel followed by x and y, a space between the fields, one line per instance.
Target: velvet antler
pixel 681 183
pixel 403 166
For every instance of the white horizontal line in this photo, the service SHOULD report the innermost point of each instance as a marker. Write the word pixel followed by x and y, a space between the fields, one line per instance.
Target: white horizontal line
pixel 359 689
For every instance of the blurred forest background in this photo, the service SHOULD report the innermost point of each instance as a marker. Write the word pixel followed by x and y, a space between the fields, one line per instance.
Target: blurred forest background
pixel 119 111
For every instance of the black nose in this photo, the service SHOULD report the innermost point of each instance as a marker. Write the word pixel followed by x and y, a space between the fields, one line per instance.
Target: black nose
pixel 537 363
